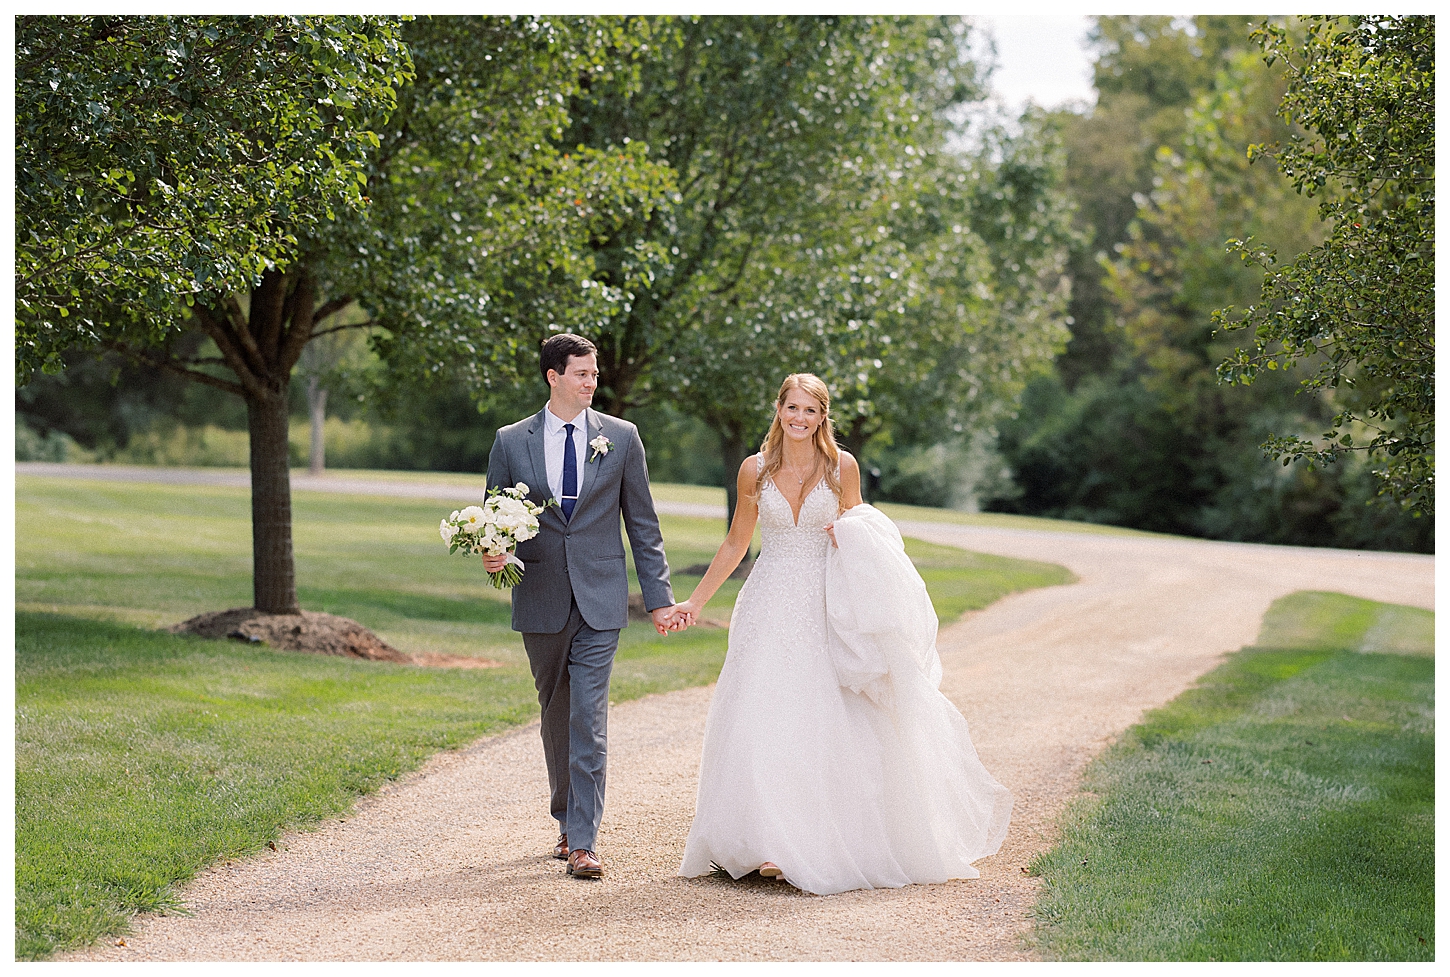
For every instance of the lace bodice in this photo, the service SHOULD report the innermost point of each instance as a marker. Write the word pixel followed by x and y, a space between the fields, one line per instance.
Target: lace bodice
pixel 783 538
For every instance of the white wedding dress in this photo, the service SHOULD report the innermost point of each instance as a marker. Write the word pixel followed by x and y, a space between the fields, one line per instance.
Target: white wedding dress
pixel 828 748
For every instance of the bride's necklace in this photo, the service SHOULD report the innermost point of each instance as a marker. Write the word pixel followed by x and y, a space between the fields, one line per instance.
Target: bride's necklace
pixel 800 480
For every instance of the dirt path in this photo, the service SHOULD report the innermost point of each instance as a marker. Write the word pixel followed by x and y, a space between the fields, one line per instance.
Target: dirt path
pixel 451 863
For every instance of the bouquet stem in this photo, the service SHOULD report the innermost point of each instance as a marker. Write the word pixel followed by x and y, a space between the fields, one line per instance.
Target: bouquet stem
pixel 509 576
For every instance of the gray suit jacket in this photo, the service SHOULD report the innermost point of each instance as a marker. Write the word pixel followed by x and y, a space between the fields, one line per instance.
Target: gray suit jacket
pixel 584 557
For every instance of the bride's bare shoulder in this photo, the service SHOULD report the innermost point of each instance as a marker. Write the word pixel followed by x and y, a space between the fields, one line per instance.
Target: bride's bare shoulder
pixel 750 467
pixel 850 476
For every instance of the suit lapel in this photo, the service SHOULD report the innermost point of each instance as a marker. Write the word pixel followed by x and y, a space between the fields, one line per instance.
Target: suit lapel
pixel 540 484
pixel 592 430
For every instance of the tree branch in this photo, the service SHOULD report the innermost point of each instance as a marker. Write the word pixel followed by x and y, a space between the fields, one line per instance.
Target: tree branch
pixel 268 299
pixel 299 332
pixel 236 362
pixel 350 325
pixel 176 367
pixel 240 340
pixel 331 306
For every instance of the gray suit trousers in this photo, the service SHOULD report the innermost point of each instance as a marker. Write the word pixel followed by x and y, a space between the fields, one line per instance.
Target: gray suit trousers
pixel 571 673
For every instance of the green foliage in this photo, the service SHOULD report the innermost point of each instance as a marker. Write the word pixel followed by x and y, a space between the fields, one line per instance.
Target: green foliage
pixel 162 158
pixel 1149 70
pixel 1360 306
pixel 476 244
pixel 821 224
pixel 30 445
pixel 1135 428
pixel 1283 809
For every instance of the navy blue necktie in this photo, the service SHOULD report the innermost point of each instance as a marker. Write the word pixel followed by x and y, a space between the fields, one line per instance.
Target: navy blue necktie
pixel 570 490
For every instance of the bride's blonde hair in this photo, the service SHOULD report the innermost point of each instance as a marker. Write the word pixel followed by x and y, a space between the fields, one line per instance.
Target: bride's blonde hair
pixel 772 453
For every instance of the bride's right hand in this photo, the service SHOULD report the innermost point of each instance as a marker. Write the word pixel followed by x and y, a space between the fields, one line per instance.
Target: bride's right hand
pixel 689 611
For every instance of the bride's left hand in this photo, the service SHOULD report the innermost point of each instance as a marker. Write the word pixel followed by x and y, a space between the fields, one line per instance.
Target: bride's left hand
pixel 831 532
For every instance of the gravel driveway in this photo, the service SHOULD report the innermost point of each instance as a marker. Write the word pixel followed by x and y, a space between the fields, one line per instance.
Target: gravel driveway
pixel 451 862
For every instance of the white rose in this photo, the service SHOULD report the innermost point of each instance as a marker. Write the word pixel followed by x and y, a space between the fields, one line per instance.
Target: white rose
pixel 522 488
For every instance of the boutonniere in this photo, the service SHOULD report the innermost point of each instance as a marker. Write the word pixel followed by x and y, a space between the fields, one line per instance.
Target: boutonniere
pixel 602 446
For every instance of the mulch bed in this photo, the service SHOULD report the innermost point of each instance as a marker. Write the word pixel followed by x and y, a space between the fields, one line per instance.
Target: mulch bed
pixel 317 633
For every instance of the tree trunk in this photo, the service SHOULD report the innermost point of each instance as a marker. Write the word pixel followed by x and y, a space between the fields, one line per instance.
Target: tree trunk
pixel 317 412
pixel 854 439
pixel 274 586
pixel 260 346
pixel 732 452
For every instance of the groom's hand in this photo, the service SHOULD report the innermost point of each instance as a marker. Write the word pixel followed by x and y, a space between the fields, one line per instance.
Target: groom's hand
pixel 675 618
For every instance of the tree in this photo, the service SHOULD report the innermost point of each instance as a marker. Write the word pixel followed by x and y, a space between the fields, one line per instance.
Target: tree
pixel 945 272
pixel 819 224
pixel 423 221
pixel 1150 438
pixel 1359 306
pixel 159 159
pixel 326 362
pixel 1148 72
pixel 166 164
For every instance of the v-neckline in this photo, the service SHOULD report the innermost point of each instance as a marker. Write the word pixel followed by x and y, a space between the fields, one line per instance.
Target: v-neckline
pixel 796 514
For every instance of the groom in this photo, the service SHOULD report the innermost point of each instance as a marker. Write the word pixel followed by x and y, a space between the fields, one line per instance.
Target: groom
pixel 573 598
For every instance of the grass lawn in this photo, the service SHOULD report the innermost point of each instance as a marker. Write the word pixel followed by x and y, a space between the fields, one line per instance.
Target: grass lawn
pixel 142 757
pixel 1283 809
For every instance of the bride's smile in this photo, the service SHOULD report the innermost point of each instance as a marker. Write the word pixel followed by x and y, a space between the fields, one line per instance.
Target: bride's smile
pixel 800 415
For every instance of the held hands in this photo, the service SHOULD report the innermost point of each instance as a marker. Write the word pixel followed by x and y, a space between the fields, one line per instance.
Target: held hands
pixel 675 618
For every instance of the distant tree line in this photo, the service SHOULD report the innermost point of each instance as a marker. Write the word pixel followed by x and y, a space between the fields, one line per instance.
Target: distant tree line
pixel 1132 426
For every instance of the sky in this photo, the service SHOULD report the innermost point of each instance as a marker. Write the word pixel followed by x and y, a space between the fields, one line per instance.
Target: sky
pixel 1042 57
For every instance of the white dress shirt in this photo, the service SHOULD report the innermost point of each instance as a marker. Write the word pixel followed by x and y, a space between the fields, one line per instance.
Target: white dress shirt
pixel 554 452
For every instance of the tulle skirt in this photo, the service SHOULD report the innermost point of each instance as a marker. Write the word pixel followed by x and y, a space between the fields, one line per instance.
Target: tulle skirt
pixel 839 790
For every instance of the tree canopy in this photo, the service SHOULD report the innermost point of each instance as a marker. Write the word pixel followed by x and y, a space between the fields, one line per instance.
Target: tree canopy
pixel 822 223
pixel 1132 425
pixel 263 174
pixel 1360 307
pixel 161 159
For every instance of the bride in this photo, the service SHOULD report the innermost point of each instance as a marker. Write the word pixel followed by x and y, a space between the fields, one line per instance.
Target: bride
pixel 830 759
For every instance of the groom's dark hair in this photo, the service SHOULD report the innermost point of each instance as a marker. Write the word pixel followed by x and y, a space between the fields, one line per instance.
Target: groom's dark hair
pixel 554 354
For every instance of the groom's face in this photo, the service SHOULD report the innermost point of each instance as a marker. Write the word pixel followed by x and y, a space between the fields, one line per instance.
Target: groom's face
pixel 573 390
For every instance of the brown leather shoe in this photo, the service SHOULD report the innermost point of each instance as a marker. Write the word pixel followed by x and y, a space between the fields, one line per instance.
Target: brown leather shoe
pixel 584 864
pixel 561 847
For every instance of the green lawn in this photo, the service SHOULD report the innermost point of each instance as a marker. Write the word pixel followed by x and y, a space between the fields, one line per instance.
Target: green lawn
pixel 1283 809
pixel 142 757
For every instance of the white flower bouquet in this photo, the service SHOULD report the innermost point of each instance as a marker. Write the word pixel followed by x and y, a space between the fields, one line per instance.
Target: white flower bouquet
pixel 505 519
